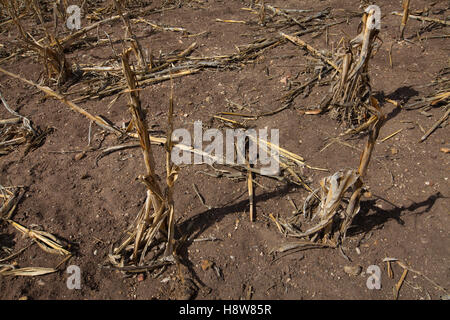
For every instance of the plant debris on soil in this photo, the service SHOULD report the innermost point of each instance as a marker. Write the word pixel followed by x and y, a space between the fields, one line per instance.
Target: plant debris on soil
pixel 360 97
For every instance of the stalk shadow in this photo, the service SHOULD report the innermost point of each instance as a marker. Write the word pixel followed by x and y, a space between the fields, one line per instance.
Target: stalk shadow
pixel 372 217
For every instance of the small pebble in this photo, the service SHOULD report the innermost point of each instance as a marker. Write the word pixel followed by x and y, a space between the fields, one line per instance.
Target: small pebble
pixel 79 156
pixel 353 270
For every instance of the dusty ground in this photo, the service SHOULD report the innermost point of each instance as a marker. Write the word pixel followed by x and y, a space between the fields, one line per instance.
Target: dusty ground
pixel 406 217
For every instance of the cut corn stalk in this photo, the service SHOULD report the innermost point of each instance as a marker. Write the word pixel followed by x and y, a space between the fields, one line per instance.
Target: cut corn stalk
pixel 349 102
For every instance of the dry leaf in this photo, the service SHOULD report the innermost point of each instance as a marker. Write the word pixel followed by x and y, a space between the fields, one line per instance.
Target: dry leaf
pixel 353 270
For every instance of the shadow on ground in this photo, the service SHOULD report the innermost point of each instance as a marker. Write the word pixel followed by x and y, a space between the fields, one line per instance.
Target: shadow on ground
pixel 372 217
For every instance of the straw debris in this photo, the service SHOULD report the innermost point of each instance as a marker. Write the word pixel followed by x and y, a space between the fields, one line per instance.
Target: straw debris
pixel 50 51
pixel 155 221
pixel 9 199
